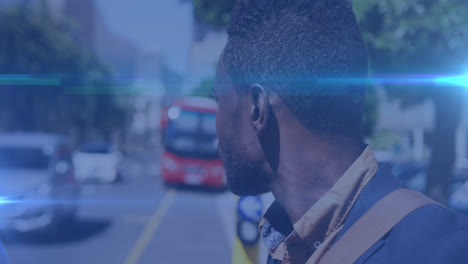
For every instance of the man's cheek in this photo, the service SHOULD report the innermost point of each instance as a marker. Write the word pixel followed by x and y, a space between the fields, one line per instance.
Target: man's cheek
pixel 219 125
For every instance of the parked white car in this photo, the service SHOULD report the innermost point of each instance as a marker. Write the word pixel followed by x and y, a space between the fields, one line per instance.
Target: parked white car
pixel 37 184
pixel 97 162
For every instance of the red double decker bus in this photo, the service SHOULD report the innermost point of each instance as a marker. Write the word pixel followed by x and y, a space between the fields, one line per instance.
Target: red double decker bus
pixel 190 153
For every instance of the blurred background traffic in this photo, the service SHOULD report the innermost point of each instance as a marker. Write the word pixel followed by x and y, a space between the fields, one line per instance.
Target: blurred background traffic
pixel 108 150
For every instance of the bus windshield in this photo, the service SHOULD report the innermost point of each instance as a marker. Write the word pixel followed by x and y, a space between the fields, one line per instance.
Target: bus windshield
pixel 192 134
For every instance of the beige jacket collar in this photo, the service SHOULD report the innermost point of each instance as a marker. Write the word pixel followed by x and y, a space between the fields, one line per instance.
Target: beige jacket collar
pixel 315 232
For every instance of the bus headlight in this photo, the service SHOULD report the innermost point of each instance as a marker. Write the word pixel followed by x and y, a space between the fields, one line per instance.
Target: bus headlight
pixel 173 112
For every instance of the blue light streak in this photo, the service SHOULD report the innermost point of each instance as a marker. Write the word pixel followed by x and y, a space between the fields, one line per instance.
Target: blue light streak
pixel 461 80
pixel 27 79
pixel 100 202
pixel 404 80
pixel 6 200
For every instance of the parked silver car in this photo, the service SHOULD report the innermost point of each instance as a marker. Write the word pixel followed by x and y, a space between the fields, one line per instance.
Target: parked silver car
pixel 37 186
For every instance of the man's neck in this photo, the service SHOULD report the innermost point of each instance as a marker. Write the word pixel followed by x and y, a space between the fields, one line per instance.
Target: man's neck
pixel 308 169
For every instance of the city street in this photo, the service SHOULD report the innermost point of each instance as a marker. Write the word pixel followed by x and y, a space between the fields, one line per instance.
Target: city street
pixel 137 221
pixel 329 105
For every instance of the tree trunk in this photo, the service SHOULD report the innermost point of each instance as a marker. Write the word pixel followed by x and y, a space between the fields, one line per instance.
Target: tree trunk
pixel 448 105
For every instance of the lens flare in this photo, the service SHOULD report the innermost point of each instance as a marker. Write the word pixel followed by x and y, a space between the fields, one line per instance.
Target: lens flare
pixel 401 80
pixel 461 81
pixel 6 200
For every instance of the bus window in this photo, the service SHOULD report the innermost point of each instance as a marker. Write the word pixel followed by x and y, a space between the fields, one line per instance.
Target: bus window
pixel 208 123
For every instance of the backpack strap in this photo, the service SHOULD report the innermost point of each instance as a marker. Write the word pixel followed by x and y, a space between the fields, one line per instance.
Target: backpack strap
pixel 373 225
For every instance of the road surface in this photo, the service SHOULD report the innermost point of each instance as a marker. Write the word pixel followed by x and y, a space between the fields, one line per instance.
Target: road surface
pixel 137 221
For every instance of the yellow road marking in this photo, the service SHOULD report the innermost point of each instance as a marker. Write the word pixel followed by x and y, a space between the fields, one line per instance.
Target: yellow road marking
pixel 150 229
pixel 239 255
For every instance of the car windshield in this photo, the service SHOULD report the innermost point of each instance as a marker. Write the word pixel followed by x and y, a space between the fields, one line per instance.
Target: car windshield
pixel 23 158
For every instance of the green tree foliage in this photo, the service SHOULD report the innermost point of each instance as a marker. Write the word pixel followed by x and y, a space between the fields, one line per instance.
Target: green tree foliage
pixel 204 89
pixel 369 119
pixel 215 13
pixel 36 47
pixel 422 37
pixel 415 37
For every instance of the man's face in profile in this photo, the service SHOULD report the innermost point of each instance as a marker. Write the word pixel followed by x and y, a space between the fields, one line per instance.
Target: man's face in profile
pixel 238 143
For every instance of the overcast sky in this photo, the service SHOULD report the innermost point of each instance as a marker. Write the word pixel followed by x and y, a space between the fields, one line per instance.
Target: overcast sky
pixel 154 25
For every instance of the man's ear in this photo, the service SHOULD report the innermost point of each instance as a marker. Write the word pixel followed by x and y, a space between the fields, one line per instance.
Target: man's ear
pixel 260 108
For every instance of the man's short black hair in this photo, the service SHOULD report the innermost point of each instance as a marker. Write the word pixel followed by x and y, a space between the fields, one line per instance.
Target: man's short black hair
pixel 303 50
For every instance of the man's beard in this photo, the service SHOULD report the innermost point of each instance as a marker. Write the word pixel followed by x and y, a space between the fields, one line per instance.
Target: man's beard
pixel 244 178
